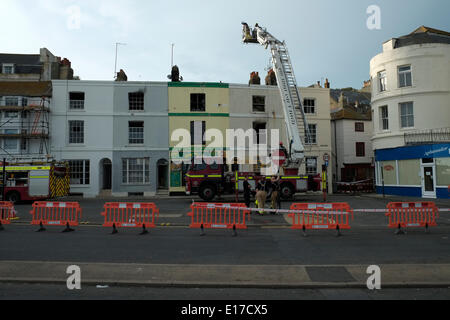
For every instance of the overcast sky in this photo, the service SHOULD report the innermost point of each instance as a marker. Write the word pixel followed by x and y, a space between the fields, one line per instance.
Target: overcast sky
pixel 326 39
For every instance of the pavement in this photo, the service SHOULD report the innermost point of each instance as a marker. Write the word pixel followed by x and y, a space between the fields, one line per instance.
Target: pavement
pixel 267 255
pixel 227 276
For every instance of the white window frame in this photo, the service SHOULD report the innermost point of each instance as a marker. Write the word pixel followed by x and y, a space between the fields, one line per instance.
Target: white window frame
pixel 16 140
pixel 382 118
pixel 77 105
pixel 70 132
pixel 403 75
pixel 407 116
pixel 126 171
pixel 313 137
pixel 311 108
pixel 382 81
pixel 307 166
pixel 86 169
pixel 136 135
pixel 8 65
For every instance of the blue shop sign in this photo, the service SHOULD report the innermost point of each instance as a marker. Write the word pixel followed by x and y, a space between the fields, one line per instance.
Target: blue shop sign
pixel 414 152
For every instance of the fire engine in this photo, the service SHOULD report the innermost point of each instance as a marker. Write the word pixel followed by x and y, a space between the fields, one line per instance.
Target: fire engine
pixel 209 180
pixel 32 180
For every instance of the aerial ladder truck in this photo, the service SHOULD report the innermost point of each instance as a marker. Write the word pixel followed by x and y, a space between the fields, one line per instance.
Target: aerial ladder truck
pixel 209 181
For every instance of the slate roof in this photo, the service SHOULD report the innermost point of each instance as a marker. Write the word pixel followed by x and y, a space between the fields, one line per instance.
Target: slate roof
pixel 423 35
pixel 23 59
pixel 26 88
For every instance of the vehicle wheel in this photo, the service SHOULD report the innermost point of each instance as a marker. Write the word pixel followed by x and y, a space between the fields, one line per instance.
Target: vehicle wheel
pixel 287 191
pixel 13 197
pixel 208 192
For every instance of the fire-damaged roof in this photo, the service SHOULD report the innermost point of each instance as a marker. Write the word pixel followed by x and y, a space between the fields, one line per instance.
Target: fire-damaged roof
pixel 423 35
pixel 26 88
pixel 351 113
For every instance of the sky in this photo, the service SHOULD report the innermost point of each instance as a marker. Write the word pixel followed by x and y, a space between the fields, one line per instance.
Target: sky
pixel 326 39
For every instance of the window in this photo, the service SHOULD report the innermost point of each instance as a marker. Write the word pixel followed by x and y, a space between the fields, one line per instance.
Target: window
pixel 359 126
pixel 382 81
pixel 312 139
pixel 12 101
pixel 76 100
pixel 259 104
pixel 404 76
pixel 24 102
pixel 8 69
pixel 136 101
pixel 407 115
pixel 311 166
pixel 136 171
pixel 198 102
pixel 309 105
pixel 11 144
pixel 79 172
pixel 76 132
pixel 11 115
pixel 261 132
pixel 360 149
pixel 384 118
pixel 136 132
pixel 198 130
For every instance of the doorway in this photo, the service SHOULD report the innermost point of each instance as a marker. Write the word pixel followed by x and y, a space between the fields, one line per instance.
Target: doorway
pixel 428 171
pixel 163 174
pixel 106 165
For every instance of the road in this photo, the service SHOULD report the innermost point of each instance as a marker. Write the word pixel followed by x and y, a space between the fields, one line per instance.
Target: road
pixel 324 259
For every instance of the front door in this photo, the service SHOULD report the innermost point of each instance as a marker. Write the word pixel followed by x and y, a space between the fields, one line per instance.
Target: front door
pixel 428 181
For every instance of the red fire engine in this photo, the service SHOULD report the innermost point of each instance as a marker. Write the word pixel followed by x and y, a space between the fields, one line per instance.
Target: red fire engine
pixel 34 181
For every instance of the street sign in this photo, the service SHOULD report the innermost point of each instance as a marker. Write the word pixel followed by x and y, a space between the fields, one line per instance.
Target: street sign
pixel 326 158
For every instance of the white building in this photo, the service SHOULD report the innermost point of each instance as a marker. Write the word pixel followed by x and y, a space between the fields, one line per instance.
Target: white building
pixel 113 134
pixel 411 113
pixel 351 131
pixel 260 108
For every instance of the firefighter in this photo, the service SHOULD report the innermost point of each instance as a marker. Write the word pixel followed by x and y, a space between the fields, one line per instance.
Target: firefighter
pixel 283 149
pixel 275 184
pixel 261 195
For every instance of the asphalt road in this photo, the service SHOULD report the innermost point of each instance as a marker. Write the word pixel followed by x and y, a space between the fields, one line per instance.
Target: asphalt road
pixel 25 291
pixel 268 242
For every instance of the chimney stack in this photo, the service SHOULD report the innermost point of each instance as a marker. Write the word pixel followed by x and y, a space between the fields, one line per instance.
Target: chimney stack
pixel 327 84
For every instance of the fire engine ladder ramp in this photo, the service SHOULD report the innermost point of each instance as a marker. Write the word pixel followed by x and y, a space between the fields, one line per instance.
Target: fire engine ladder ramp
pixel 289 90
pixel 296 122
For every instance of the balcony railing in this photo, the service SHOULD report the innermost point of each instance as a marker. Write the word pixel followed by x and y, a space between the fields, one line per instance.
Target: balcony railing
pixel 427 136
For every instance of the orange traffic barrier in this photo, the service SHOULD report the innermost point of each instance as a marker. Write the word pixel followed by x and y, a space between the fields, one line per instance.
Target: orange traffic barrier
pixel 412 215
pixel 320 216
pixel 7 212
pixel 130 215
pixel 219 216
pixel 56 214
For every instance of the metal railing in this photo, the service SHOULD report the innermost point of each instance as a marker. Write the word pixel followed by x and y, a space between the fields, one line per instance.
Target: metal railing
pixel 427 136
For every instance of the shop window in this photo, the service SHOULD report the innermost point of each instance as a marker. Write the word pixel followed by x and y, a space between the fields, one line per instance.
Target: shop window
pixel 408 172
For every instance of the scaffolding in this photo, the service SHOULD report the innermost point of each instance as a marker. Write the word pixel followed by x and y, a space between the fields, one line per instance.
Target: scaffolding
pixel 22 123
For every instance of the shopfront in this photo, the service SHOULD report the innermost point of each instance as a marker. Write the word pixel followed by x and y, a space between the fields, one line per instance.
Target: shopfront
pixel 416 171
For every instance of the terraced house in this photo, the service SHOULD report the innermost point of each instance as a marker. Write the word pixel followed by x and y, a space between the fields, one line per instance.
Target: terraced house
pixel 113 134
pixel 195 108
